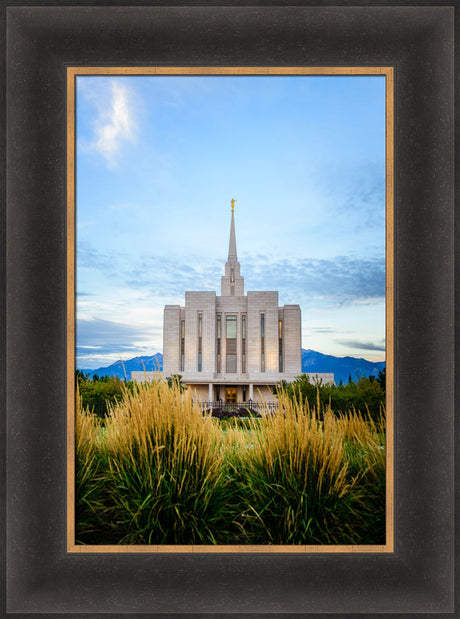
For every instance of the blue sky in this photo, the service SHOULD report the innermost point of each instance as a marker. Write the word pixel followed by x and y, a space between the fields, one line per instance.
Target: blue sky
pixel 159 159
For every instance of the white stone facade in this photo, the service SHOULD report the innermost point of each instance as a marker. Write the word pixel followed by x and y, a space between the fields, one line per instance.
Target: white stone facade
pixel 232 347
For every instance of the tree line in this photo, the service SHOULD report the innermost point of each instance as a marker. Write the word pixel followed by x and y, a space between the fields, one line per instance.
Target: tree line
pixel 98 393
pixel 366 394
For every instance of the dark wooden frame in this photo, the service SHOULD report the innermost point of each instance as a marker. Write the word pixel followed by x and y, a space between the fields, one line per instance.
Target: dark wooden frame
pixel 418 41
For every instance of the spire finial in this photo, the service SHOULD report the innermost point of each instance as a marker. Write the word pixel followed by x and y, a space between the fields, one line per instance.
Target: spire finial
pixel 232 246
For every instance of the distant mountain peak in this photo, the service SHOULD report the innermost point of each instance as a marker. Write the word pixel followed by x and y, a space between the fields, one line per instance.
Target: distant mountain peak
pixel 125 367
pixel 342 367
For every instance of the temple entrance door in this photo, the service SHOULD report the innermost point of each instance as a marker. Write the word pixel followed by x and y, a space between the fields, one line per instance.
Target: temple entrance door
pixel 230 395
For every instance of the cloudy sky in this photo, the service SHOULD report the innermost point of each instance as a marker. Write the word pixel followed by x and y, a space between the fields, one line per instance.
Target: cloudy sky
pixel 159 159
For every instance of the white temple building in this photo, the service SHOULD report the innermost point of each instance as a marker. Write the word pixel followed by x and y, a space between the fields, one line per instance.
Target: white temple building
pixel 234 346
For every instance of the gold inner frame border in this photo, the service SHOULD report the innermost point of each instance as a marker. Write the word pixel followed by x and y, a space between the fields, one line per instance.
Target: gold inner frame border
pixel 388 72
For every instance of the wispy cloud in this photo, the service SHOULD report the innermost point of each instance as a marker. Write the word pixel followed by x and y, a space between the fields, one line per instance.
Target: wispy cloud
pixel 101 341
pixel 361 194
pixel 328 282
pixel 84 295
pixel 353 197
pixel 322 330
pixel 331 282
pixel 91 258
pixel 363 345
pixel 114 125
pixel 172 277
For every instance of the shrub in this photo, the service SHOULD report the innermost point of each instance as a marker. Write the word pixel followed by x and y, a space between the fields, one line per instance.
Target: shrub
pixel 97 394
pixel 365 396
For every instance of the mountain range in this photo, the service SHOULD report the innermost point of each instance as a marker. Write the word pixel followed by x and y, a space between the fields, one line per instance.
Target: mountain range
pixel 343 368
pixel 312 361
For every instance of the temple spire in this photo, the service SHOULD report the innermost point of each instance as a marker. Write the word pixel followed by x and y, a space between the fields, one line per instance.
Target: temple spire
pixel 232 257
pixel 232 284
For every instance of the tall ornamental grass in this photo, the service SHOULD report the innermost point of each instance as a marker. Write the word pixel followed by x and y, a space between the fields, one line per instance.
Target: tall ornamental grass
pixel 167 471
pixel 159 472
pixel 365 450
pixel 93 516
pixel 295 479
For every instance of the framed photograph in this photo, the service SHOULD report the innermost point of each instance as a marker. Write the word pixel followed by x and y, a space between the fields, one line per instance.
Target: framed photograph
pixel 314 128
pixel 64 167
